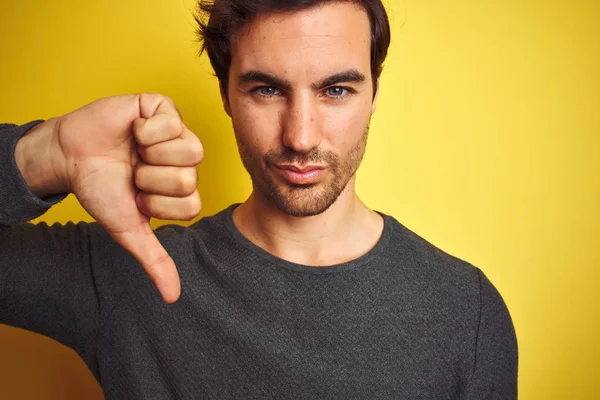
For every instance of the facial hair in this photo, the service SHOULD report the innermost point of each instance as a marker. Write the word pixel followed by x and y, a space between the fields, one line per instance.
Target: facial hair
pixel 303 200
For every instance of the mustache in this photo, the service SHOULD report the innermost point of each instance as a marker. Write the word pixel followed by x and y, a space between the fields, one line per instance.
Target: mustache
pixel 289 156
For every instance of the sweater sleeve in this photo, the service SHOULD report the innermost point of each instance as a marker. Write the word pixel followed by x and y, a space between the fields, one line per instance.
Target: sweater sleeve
pixel 55 280
pixel 496 355
pixel 17 202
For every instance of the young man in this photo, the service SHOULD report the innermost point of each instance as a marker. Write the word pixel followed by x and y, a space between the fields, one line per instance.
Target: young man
pixel 300 292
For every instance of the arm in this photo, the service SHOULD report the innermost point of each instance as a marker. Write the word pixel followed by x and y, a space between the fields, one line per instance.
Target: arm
pixel 118 156
pixel 126 159
pixel 496 356
pixel 17 202
pixel 40 168
pixel 46 277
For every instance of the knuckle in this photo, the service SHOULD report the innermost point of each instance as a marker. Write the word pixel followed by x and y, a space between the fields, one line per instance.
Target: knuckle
pixel 193 206
pixel 187 181
pixel 168 99
pixel 174 125
pixel 196 151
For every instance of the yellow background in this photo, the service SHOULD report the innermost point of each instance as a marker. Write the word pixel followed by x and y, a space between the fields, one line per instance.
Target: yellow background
pixel 486 142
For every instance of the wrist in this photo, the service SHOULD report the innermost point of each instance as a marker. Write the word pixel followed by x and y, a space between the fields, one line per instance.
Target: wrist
pixel 40 160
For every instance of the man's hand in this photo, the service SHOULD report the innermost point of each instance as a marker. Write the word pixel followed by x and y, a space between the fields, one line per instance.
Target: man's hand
pixel 126 158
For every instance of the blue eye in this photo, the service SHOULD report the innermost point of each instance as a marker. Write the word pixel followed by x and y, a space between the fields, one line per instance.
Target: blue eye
pixel 336 91
pixel 268 91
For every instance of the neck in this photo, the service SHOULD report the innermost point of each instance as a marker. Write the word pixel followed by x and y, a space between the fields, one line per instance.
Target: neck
pixel 345 231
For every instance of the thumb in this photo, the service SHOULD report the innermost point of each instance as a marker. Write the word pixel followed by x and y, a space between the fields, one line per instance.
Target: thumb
pixel 143 244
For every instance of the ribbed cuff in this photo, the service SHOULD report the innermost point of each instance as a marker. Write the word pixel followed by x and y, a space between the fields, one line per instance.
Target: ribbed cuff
pixel 17 202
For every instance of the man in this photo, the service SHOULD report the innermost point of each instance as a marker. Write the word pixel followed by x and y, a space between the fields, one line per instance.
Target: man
pixel 301 291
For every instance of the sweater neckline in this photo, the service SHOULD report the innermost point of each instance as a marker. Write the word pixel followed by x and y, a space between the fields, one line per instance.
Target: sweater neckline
pixel 363 260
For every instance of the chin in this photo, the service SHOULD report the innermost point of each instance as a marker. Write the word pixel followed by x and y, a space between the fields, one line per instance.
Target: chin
pixel 304 201
pixel 307 210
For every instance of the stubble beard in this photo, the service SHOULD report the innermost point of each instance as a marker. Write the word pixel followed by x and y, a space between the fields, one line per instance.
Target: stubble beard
pixel 303 200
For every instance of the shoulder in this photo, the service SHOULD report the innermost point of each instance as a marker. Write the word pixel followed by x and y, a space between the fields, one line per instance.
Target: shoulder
pixel 425 261
pixel 441 278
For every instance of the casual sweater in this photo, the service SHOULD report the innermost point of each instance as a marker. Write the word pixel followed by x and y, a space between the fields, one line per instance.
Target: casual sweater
pixel 404 321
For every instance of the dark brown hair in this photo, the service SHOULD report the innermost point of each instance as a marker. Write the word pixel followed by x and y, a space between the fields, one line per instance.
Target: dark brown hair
pixel 220 20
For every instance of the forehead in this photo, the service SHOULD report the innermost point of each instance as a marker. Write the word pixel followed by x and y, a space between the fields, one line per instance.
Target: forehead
pixel 316 41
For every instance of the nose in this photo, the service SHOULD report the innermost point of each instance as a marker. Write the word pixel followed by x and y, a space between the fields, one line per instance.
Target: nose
pixel 300 124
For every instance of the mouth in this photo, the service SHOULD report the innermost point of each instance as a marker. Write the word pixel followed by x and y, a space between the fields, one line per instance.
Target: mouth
pixel 300 175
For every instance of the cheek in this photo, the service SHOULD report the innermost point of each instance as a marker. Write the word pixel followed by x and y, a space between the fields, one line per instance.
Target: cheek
pixel 258 129
pixel 345 126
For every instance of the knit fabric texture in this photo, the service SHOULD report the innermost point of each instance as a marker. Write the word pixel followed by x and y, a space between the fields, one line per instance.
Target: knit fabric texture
pixel 404 321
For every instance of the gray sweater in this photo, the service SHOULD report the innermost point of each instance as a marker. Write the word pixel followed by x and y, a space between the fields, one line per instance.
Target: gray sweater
pixel 405 321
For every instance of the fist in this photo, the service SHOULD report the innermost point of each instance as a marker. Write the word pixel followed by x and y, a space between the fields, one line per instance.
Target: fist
pixel 165 166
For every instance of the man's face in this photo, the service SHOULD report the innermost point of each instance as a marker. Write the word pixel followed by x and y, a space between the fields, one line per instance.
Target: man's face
pixel 300 97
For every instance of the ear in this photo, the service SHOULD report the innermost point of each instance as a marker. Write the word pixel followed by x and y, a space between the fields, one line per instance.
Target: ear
pixel 374 104
pixel 225 99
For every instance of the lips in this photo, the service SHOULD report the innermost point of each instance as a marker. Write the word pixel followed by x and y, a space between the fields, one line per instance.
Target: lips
pixel 300 175
pixel 305 168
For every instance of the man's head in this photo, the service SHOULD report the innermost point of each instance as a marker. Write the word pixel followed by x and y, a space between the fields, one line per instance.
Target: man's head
pixel 299 80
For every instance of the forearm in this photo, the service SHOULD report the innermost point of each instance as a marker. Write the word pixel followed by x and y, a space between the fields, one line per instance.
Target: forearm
pixel 17 201
pixel 37 158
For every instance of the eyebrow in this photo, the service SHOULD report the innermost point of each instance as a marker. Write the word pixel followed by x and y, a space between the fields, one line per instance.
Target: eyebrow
pixel 262 77
pixel 351 75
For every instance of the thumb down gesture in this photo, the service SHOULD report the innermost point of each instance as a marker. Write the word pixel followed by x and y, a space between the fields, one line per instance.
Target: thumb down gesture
pixel 126 159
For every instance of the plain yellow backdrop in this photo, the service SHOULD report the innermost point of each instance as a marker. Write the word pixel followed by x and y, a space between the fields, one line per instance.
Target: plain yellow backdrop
pixel 486 142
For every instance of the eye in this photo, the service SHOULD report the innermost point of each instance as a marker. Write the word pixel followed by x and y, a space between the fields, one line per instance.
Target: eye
pixel 336 92
pixel 267 91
